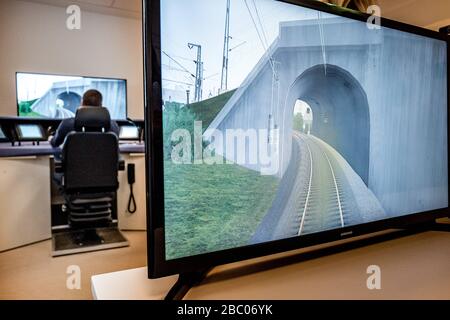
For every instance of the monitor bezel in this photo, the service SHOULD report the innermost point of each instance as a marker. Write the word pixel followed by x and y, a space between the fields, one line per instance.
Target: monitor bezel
pixel 67 75
pixel 25 139
pixel 158 266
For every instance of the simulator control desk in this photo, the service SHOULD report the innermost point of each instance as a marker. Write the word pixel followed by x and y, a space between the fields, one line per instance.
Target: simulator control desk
pixel 26 191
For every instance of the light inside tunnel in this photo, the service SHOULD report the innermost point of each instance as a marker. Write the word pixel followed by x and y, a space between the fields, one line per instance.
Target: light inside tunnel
pixel 70 100
pixel 303 117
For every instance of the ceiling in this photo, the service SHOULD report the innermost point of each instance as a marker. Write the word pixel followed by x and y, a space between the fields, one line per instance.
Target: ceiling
pixel 121 8
pixel 430 13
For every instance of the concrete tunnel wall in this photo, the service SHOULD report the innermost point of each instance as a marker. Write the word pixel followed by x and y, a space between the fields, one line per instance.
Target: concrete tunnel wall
pixel 404 81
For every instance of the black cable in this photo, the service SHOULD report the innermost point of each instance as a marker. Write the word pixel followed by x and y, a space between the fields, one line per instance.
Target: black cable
pixel 131 168
pixel 132 207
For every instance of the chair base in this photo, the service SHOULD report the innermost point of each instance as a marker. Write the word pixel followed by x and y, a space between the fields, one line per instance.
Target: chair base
pixel 87 240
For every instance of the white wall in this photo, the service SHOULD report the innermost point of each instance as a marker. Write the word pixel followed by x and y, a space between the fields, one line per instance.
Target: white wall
pixel 34 38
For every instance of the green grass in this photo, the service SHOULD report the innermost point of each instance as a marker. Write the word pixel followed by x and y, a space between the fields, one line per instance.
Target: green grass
pixel 207 110
pixel 31 114
pixel 25 109
pixel 211 208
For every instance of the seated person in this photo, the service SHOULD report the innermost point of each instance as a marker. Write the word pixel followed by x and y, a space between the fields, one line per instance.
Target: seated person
pixel 92 98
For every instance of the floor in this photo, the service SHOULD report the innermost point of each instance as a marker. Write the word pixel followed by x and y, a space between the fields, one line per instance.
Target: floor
pixel 31 273
pixel 412 267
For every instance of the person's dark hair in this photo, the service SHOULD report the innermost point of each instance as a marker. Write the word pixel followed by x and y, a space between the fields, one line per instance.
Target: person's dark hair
pixel 92 98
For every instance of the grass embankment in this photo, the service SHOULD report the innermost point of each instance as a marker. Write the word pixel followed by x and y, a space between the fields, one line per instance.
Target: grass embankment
pixel 31 114
pixel 212 208
pixel 207 110
pixel 25 110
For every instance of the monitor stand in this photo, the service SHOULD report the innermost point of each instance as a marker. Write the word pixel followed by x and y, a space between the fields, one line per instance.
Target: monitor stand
pixel 185 282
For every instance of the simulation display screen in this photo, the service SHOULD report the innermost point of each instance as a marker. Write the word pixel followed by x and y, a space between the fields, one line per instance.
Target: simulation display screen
pixel 29 131
pixel 129 133
pixel 300 122
pixel 51 96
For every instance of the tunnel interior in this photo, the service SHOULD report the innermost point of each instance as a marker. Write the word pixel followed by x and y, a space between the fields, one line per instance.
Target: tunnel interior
pixel 341 112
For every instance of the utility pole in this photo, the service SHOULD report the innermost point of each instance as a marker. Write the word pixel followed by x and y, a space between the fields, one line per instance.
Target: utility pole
pixel 226 50
pixel 198 72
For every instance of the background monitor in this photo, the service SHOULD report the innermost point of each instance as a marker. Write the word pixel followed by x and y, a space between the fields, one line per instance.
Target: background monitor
pixel 319 126
pixel 31 132
pixel 129 133
pixel 58 97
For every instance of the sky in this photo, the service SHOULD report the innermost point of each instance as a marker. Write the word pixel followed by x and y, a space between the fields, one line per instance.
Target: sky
pixel 34 86
pixel 203 22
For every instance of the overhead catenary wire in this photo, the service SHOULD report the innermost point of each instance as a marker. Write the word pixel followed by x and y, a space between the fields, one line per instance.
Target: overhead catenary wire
pixel 182 58
pixel 237 46
pixel 176 81
pixel 226 50
pixel 322 42
pixel 178 64
pixel 186 76
pixel 211 76
pixel 263 31
pixel 174 69
pixel 265 48
pixel 171 68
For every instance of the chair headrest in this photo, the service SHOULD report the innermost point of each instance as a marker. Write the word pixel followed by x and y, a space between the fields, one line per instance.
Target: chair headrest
pixel 91 119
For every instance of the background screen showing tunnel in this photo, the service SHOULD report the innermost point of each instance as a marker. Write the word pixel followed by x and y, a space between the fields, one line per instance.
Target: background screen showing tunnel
pixel 294 122
pixel 58 97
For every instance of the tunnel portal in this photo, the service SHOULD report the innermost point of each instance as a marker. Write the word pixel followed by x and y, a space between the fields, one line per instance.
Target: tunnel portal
pixel 341 112
pixel 71 100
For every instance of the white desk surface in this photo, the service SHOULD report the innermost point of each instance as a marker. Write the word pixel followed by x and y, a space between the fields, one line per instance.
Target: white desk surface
pixel 412 267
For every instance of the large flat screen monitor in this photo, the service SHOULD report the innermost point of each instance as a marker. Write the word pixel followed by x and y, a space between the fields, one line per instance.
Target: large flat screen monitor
pixel 299 124
pixel 58 97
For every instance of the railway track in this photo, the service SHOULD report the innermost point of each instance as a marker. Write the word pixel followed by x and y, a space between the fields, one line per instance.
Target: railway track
pixel 319 191
pixel 323 206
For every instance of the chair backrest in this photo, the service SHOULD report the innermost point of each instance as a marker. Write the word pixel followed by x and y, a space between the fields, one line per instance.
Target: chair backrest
pixel 92 119
pixel 91 154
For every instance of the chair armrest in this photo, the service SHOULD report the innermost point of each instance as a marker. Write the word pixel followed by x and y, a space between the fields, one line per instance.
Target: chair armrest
pixel 121 165
pixel 59 167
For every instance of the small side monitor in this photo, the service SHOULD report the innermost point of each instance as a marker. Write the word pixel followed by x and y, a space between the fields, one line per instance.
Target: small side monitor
pixel 3 136
pixel 30 132
pixel 129 133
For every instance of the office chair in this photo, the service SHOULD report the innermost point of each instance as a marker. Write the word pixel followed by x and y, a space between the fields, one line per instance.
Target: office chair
pixel 89 166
